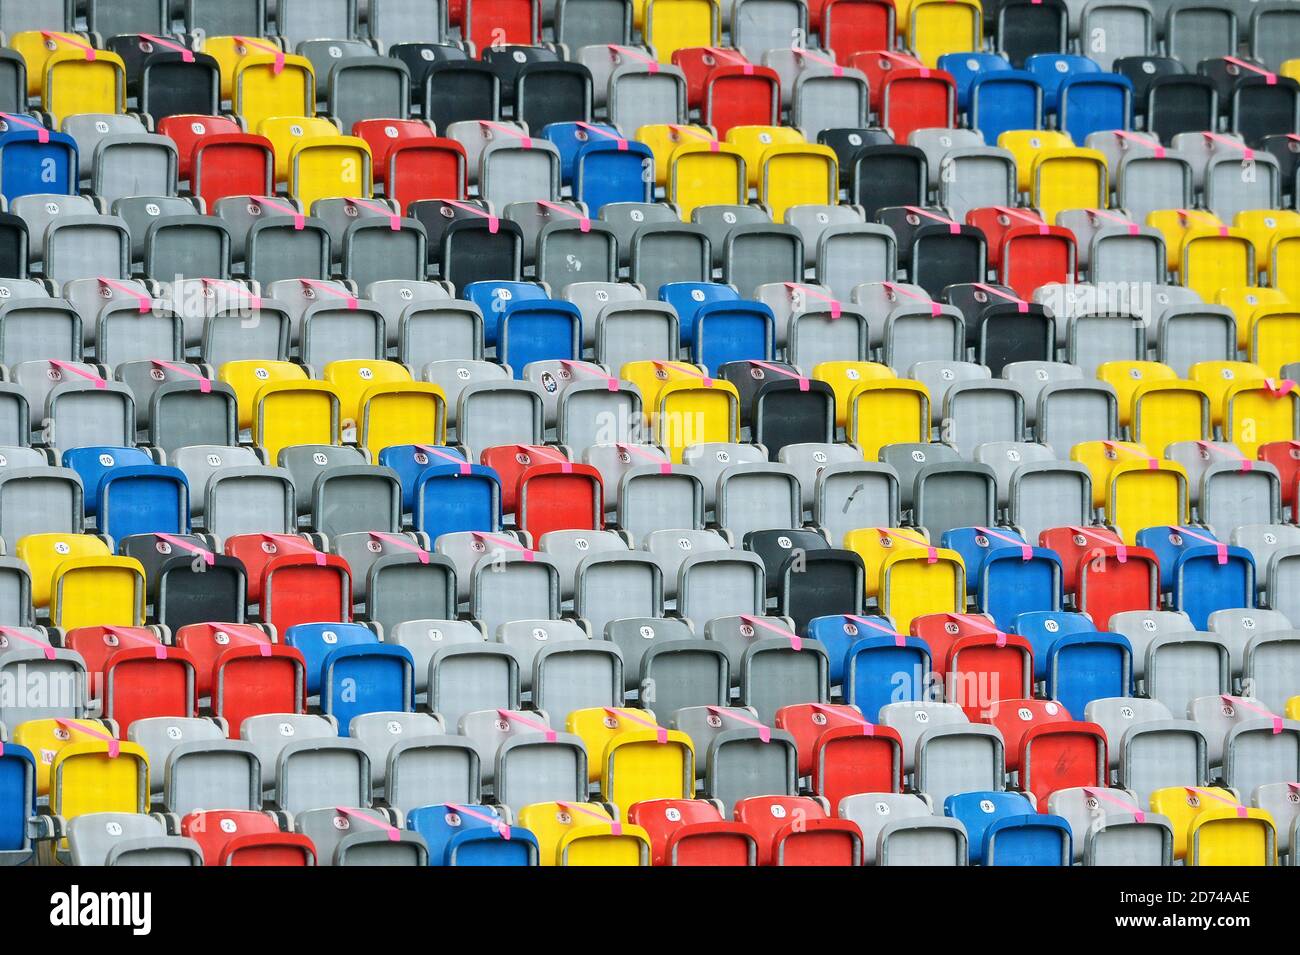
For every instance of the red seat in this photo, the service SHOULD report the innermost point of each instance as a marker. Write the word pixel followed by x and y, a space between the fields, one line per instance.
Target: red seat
pixel 206 642
pixel 255 551
pixel 795 830
pixel 246 837
pixel 692 832
pixel 502 23
pixel 980 664
pixel 1105 575
pixel 877 64
pixel 917 98
pixel 996 221
pixel 233 164
pixel 510 461
pixel 842 751
pixel 1048 748
pixel 1035 255
pixel 137 676
pixel 187 129
pixel 806 722
pixel 741 96
pixel 252 680
pixel 558 497
pixel 381 135
pixel 306 588
pixel 697 62
pixel 847 26
pixel 1285 456
pixel 426 169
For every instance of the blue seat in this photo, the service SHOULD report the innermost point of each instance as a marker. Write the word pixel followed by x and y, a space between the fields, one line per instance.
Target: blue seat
pixel 605 172
pixel 537 331
pixel 92 463
pixel 143 499
pixel 1005 578
pixel 412 460
pixel 965 68
pixel 733 331
pixel 378 678
pixel 17 802
pixel 1082 667
pixel 687 298
pixel 1053 69
pixel 1010 99
pixel 493 298
pixel 471 836
pixel 316 641
pixel 1094 102
pixel 1004 830
pixel 29 166
pixel 1193 574
pixel 873 663
pixel 1042 628
pixel 569 138
pixel 447 500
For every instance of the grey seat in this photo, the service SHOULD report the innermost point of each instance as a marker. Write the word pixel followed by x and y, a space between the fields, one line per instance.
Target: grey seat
pixel 493 413
pixel 916 333
pixel 771 670
pixel 128 839
pixel 977 412
pixel 588 412
pixel 508 587
pixel 1190 333
pixel 1049 494
pixel 755 255
pixel 381 732
pixel 735 758
pixel 667 666
pixel 1070 412
pixel 1110 828
pixel 40 500
pixel 81 413
pixel 27 659
pixel 301 20
pixel 827 100
pixel 808 460
pixel 613 586
pixel 669 252
pixel 313 767
pixel 1141 627
pixel 134 164
pixel 975 177
pixel 710 459
pixel 1110 29
pixel 454 375
pixel 395 297
pixel 1255 753
pixel 625 218
pixel 1116 255
pixel 814 221
pixel 754 497
pixel 513 174
pixel 637 96
pixel 363 87
pixel 651 497
pixel 719 584
pixel 569 548
pixel 1183 666
pixel 523 759
pixel 1278 799
pixel 761 25
pixel 949 755
pixel 345 836
pixel 952 495
pixel 1228 191
pixel 458 668
pixel 1263 541
pixel 1148 747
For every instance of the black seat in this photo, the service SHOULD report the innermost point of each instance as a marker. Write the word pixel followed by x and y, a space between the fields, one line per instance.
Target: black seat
pixel 1181 104
pixel 1141 70
pixel 775 547
pixel 1259 108
pixel 888 175
pixel 819 583
pixel 170 86
pixel 507 61
pixel 1025 27
pixel 547 93
pixel 421 57
pixel 848 142
pixel 473 252
pixel 455 91
pixel 13 246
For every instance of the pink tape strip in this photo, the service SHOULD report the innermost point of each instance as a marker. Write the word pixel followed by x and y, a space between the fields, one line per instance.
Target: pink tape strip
pixel 813 293
pixel 584 224
pixel 506 543
pixel 972 623
pixel 1097 793
pixel 868 729
pixel 1246 463
pixel 205 384
pixel 79 372
pixel 661 732
pixel 935 308
pixel 1153 464
pixel 796 643
pixel 254 300
pixel 159 651
pixel 778 370
pixel 1021 305
pixel 932 552
pixel 836 69
pixel 610 381
pixel 1247 154
pixel 1279 389
pixel 45 647
pixel 86 48
pixel 187 55
pixel 1026 552
pixel 209 558
pixel 900 640
pixel 665 467
pixel 394 220
pixel 1133 227
pixel 1157 150
pixel 114 746
pixel 525 140
pixel 1220 547
pixel 465 466
pixel 622 143
pixel 275 539
pixel 1242 811
pixel 734 57
pixel 764 732
pixel 299 220
pixel 691 372
pixel 1026 217
pixel 1121 550
pixel 493 222
pixel 1270 79
pixel 615 828
pixel 954 227
pixel 401 543
pixel 394 835
pixel 143 302
pixel 331 290
pixel 714 145
pixel 1247 705
pixel 265 48
pixel 652 65
pixel 502 829
pixel 512 716
pixel 42 134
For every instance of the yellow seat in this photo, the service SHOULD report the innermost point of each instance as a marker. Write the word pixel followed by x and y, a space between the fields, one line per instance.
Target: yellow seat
pixel 1223 836
pixel 1283 263
pixel 45 737
pixel 670 25
pixel 1169 411
pixel 706 174
pixel 352 377
pixel 1293 708
pixel 584 834
pixel 1137 489
pixel 1182 804
pixel 286 413
pixel 663 140
pixel 285 132
pixel 632 757
pixel 875 544
pixel 1257 412
pixel 916 580
pixel 1174 224
pixel 843 377
pixel 1218 376
pixel 1261 225
pixel 1291 69
pixel 1127 376
pixel 230 51
pixel 888 411
pixel 936 27
pixel 402 412
pixel 798 175
pixel 97 591
pixel 1244 301
pixel 1101 457
pixel 1216 258
pixel 37 46
pixel 337 168
pixel 650 375
pixel 1274 337
pixel 1068 179
pixel 1026 144
pixel 247 376
pixel 753 141
pixel 695 411
pixel 267 85
pixel 72 84
pixel 43 552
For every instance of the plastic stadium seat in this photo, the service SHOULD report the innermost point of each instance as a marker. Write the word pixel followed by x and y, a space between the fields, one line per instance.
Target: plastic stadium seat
pixel 472 835
pixel 573 833
pixel 1005 830
pixel 812 838
pixel 1048 749
pixel 246 838
pixel 693 832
